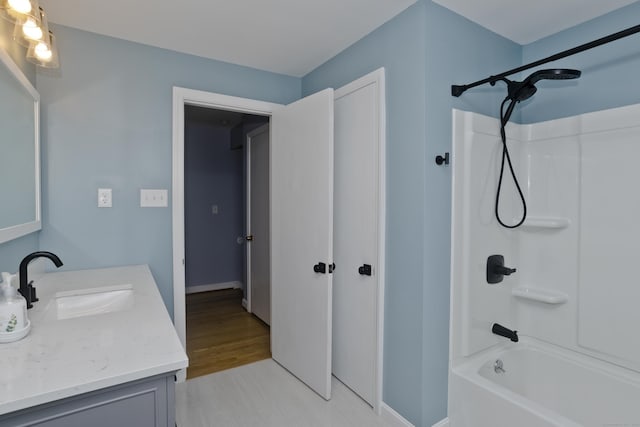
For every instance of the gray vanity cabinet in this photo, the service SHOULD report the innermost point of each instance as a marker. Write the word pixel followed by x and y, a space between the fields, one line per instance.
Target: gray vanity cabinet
pixel 149 402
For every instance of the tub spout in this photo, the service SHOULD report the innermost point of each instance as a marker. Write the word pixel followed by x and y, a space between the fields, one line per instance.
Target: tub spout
pixel 505 332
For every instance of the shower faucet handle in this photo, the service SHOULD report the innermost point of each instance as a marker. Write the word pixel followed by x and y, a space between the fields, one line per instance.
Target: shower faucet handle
pixel 496 269
pixel 505 271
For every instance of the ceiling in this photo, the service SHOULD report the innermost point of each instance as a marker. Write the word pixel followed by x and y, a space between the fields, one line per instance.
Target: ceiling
pixel 293 37
pixel 527 21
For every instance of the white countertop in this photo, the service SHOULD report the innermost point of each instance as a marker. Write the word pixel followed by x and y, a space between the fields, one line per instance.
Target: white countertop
pixel 63 358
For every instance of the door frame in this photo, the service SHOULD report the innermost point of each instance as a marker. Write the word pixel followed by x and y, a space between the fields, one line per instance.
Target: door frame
pixel 181 97
pixel 250 135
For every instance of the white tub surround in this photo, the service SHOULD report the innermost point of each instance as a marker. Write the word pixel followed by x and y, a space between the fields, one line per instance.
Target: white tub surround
pixel 65 356
pixel 574 293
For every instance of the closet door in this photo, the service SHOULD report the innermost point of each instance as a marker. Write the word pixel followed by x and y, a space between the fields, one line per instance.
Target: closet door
pixel 302 239
pixel 359 205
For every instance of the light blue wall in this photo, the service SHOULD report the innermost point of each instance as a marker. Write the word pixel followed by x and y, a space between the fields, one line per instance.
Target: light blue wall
pixel 12 252
pixel 609 72
pixel 213 176
pixel 424 50
pixel 107 123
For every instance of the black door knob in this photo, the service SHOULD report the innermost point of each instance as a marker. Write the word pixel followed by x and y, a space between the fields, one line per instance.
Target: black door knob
pixel 365 270
pixel 320 267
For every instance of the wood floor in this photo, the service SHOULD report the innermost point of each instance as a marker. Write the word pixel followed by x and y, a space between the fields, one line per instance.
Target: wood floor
pixel 221 334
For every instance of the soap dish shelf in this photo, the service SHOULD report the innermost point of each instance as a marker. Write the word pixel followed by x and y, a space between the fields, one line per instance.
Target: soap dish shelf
pixel 542 222
pixel 546 296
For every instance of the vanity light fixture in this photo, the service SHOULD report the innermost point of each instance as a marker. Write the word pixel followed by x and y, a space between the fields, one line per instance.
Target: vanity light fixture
pixel 44 53
pixel 32 31
pixel 14 10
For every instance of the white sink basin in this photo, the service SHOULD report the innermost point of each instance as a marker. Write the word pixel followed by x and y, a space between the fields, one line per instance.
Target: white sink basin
pixel 89 302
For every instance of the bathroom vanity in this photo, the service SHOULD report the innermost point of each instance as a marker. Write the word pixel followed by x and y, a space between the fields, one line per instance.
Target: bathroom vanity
pixel 102 351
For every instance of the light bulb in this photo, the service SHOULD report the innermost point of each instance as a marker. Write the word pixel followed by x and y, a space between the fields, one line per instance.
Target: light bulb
pixel 31 30
pixel 20 6
pixel 43 52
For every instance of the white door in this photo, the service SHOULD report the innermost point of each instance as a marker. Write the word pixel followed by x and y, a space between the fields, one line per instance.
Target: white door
pixel 358 204
pixel 258 223
pixel 301 239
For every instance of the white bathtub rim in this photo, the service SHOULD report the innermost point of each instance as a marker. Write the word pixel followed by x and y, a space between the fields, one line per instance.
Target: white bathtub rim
pixel 510 396
pixel 473 363
pixel 469 369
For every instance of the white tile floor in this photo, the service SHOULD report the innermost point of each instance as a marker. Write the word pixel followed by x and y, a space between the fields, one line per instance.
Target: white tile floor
pixel 264 394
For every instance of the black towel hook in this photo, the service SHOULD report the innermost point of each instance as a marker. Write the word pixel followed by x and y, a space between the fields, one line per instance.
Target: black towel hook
pixel 440 159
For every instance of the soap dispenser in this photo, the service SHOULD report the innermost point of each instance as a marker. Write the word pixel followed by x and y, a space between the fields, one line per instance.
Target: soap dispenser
pixel 14 324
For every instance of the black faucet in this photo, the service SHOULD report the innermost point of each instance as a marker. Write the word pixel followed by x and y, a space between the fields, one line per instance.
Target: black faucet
pixel 27 290
pixel 505 332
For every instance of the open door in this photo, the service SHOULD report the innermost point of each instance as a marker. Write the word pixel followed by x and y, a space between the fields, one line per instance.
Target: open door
pixel 302 239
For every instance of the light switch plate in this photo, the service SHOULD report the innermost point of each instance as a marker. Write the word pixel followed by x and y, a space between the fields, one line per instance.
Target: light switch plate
pixel 151 198
pixel 104 198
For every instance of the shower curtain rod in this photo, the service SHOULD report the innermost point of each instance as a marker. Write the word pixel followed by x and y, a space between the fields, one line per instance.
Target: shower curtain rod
pixel 457 90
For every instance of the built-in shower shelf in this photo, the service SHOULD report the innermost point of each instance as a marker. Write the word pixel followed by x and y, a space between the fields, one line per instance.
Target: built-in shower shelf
pixel 547 296
pixel 534 222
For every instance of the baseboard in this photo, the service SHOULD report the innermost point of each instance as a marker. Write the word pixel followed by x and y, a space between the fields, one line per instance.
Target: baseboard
pixel 213 287
pixel 244 303
pixel 393 418
pixel 442 423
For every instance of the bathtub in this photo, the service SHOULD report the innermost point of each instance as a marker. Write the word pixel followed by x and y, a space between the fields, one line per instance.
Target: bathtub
pixel 542 385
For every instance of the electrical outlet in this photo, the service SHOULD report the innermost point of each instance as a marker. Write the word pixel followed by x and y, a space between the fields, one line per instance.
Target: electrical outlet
pixel 104 198
pixel 214 209
pixel 154 198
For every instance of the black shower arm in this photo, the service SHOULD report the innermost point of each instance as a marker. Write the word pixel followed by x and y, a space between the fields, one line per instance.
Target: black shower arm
pixel 457 90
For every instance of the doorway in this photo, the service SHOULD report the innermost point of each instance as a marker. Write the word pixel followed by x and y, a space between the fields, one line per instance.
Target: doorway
pixel 181 98
pixel 218 169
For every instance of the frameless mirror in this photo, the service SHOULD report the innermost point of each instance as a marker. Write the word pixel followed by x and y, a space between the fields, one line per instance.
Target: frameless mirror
pixel 19 151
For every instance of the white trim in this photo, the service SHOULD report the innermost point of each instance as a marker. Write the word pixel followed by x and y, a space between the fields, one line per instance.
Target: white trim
pixel 377 77
pixel 19 230
pixel 213 287
pixel 247 210
pixel 244 303
pixel 393 418
pixel 182 96
pixel 442 423
pixel 247 175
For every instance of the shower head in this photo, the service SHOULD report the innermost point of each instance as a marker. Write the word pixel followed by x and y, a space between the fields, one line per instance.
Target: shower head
pixel 553 74
pixel 519 91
